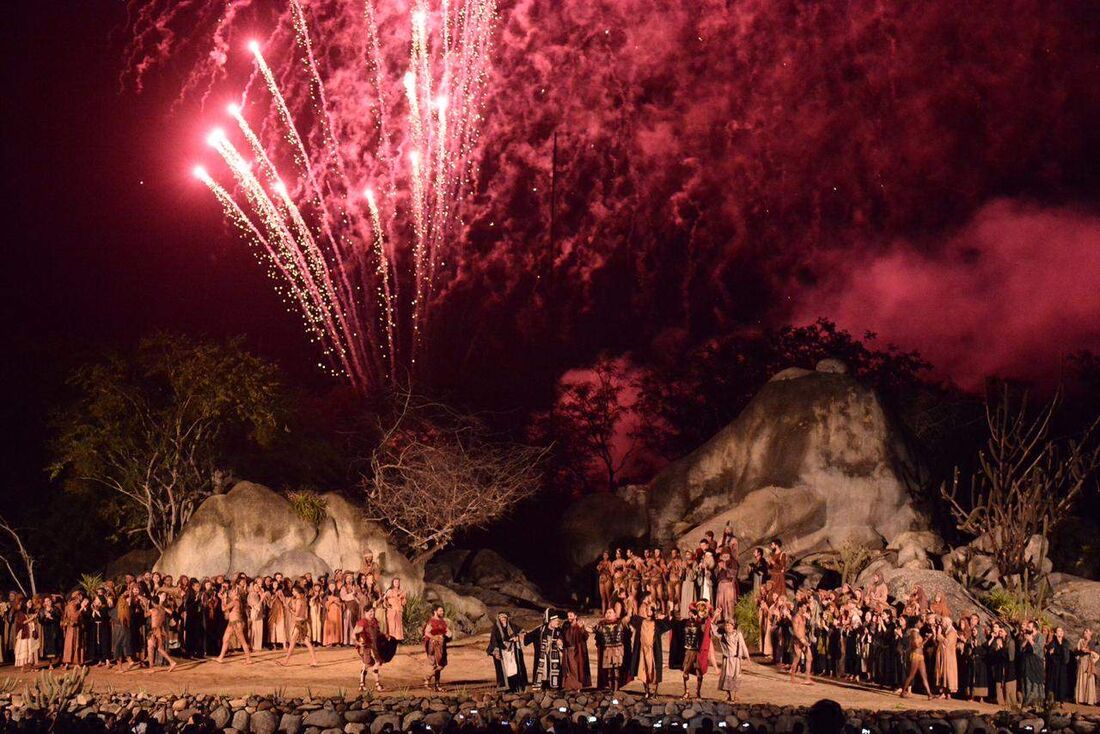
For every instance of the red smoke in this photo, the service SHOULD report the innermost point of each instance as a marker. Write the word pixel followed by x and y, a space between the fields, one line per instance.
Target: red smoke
pixel 1011 294
pixel 722 162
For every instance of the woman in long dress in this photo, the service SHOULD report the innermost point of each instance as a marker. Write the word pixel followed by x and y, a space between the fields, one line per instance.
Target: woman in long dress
pixel 334 617
pixel 729 641
pixel 316 613
pixel 394 602
pixel 256 597
pixel 1087 657
pixel 276 618
pixel 726 599
pixel 25 631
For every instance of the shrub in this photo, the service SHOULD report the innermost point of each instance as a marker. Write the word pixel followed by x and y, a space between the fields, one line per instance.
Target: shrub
pixel 90 582
pixel 747 620
pixel 309 505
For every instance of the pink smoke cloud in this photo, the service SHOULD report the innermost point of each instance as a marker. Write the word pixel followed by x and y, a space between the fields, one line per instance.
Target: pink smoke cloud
pixel 1011 294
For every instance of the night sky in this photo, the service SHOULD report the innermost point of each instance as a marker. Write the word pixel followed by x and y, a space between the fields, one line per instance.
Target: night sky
pixel 930 172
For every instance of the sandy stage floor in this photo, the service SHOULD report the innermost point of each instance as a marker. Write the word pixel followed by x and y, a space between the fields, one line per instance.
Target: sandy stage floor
pixel 469 669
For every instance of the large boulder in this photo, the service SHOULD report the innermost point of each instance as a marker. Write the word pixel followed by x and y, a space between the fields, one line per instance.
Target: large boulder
pixel 255 530
pixel 484 574
pixel 814 458
pixel 1075 603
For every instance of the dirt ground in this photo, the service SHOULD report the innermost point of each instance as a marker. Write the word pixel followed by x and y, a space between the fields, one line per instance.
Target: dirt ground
pixel 470 670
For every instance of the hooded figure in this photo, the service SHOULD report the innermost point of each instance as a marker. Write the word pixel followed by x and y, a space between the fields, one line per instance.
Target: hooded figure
pixel 506 648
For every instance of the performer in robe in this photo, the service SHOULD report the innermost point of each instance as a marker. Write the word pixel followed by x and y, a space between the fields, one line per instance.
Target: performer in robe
pixel 394 602
pixel 758 570
pixel 375 648
pixel 704 577
pixel 777 568
pixel 436 634
pixel 1058 658
pixel 506 649
pixel 1032 673
pixel 646 657
pixel 611 657
pixel 334 617
pixel 25 632
pixel 298 609
pixel 947 663
pixel 1087 658
pixel 696 646
pixel 575 669
pixel 726 594
pixel 74 621
pixel 727 641
pixel 549 644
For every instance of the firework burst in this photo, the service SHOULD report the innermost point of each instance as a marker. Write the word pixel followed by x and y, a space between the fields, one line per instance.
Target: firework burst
pixel 348 158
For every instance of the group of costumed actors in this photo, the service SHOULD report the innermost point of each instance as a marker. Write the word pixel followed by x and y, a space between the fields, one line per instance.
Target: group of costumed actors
pixel 561 653
pixel 640 643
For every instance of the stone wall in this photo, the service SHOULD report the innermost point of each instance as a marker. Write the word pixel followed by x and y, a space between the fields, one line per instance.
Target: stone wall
pixel 267 715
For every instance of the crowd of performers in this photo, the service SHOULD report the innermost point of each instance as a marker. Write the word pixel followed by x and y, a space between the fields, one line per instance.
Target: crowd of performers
pixel 855 634
pixel 152 620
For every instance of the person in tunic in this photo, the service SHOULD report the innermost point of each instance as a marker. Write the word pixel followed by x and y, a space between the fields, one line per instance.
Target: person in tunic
pixel 256 600
pixel 157 615
pixel 1087 658
pixel 349 594
pixel 436 634
pixel 696 644
pixel 394 602
pixel 316 613
pixel 611 651
pixel 277 618
pixel 1030 661
pixel 234 629
pixel 646 659
pixel 506 649
pixel 576 671
pixel 1058 659
pixel 74 621
pixel 99 639
pixel 374 649
pixel 298 608
pixel 915 650
pixel 1002 665
pixel 977 651
pixel 548 643
pixel 728 642
pixel 194 633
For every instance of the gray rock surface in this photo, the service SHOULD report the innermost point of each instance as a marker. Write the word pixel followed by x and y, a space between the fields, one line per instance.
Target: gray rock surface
pixel 814 458
pixel 484 574
pixel 902 581
pixel 255 530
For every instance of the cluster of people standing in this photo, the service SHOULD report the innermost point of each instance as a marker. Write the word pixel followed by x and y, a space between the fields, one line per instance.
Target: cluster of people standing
pixel 152 620
pixel 855 634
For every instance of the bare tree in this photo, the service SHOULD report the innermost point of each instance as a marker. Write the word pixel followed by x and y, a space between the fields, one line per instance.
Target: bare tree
pixel 1026 481
pixel 435 473
pixel 14 545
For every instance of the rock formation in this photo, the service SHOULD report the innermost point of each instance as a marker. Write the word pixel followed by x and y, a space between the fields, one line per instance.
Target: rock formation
pixel 814 459
pixel 255 530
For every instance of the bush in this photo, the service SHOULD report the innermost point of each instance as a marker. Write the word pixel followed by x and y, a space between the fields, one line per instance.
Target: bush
pixel 91 583
pixel 309 505
pixel 747 620
pixel 1013 606
pixel 849 560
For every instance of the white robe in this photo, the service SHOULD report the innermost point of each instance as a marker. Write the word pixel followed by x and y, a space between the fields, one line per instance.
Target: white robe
pixel 733 651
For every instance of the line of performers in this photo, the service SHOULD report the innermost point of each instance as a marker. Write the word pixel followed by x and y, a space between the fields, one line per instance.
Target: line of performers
pixel 629 647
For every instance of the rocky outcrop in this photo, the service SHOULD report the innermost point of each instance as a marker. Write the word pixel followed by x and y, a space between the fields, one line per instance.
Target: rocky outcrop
pixel 1075 602
pixel 255 530
pixel 902 581
pixel 814 459
pixel 486 575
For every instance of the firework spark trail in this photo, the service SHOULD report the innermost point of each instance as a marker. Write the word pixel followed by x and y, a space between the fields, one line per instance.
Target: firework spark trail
pixel 343 265
pixel 318 308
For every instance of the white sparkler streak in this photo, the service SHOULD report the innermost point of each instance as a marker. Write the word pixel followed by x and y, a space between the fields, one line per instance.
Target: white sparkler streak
pixel 383 271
